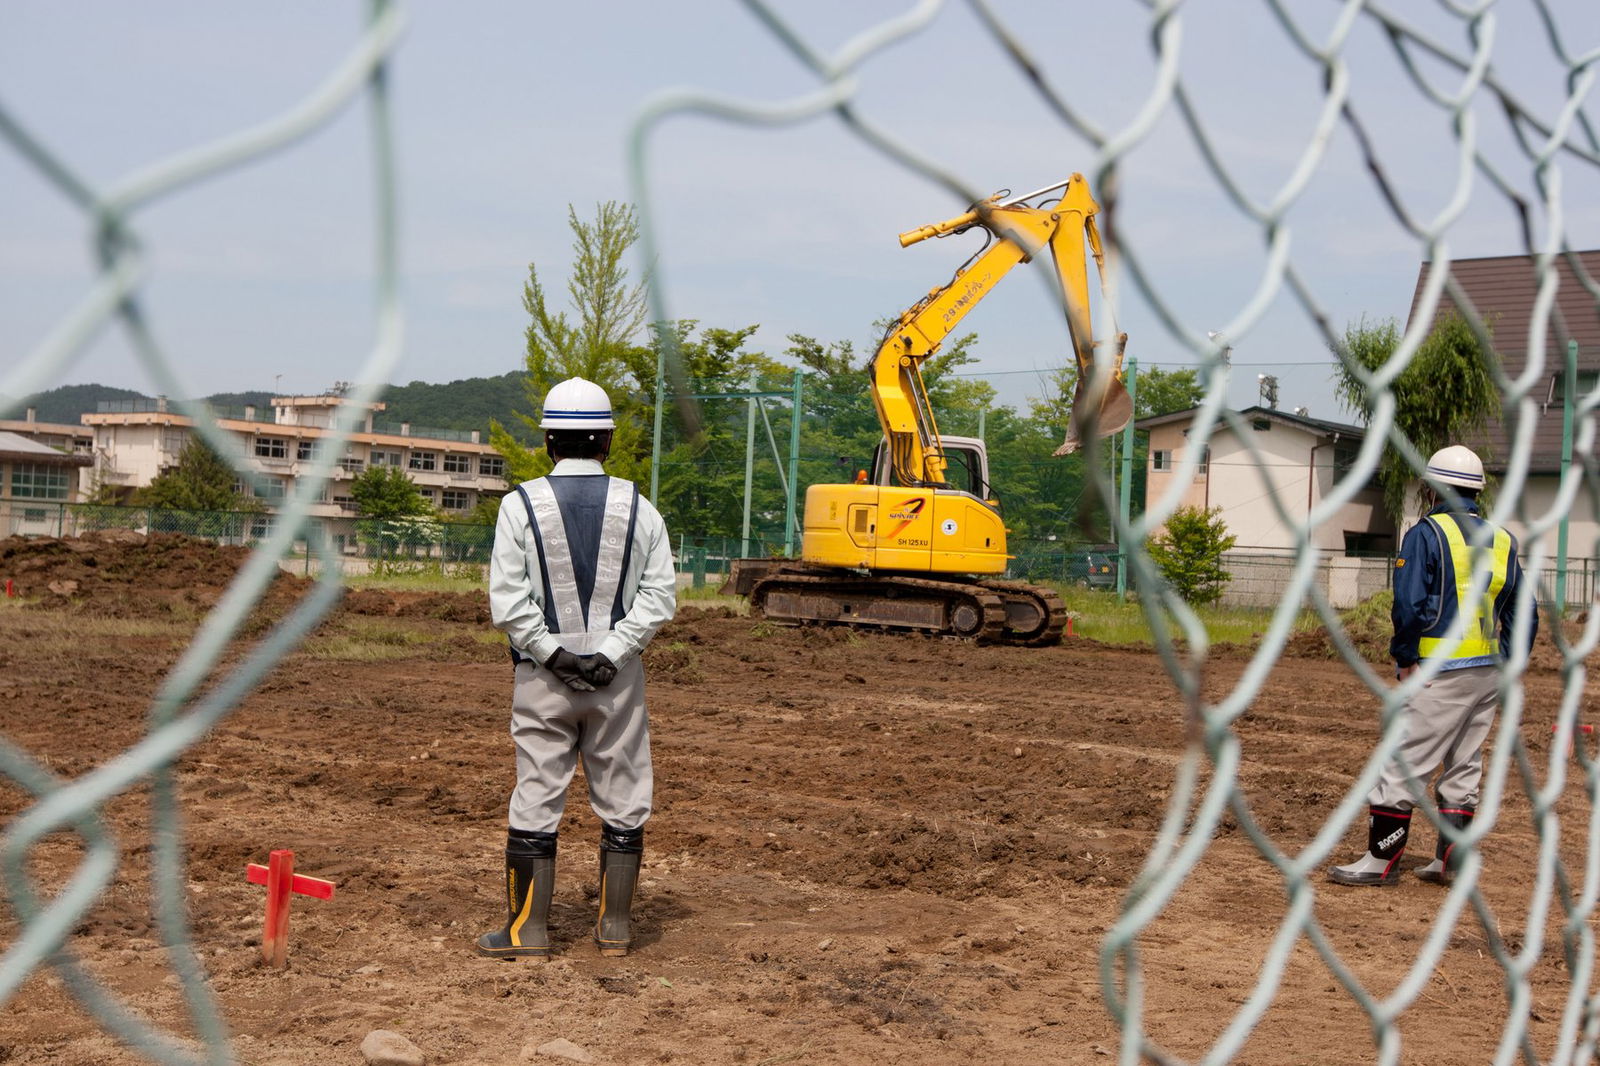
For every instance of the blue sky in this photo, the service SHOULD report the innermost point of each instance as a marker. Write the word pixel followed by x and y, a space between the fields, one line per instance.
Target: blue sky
pixel 507 112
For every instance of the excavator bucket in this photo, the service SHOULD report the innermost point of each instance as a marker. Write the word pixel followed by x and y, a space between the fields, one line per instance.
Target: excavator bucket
pixel 1099 408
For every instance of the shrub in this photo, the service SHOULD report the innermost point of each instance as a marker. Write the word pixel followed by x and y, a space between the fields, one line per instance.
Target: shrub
pixel 1189 553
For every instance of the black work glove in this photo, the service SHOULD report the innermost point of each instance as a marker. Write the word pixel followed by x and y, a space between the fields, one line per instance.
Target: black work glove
pixel 569 668
pixel 599 670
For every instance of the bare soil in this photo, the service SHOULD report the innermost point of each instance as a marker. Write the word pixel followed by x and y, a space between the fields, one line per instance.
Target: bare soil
pixel 866 848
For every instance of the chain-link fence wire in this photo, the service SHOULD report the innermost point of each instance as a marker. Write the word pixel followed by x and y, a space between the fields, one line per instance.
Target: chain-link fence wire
pixel 1207 786
pixel 181 713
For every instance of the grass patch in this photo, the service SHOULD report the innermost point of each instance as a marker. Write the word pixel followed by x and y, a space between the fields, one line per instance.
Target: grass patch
pixel 432 579
pixel 364 641
pixel 79 626
pixel 707 596
pixel 1101 616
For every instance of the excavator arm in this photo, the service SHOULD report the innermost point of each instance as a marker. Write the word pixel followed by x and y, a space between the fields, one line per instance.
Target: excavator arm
pixel 1017 233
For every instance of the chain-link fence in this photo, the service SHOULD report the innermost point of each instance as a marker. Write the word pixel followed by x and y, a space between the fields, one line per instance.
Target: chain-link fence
pixel 1549 138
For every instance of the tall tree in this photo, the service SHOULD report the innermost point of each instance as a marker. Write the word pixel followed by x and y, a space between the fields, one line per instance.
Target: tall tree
pixel 610 313
pixel 201 481
pixel 1161 392
pixel 387 492
pixel 1446 392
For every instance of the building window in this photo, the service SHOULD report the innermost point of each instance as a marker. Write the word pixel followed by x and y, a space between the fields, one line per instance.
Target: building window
pixel 377 458
pixel 492 465
pixel 424 460
pixel 456 500
pixel 1586 379
pixel 1205 461
pixel 261 526
pixel 35 481
pixel 34 514
pixel 272 448
pixel 1344 457
pixel 1161 460
pixel 457 464
pixel 270 488
pixel 306 449
pixel 428 494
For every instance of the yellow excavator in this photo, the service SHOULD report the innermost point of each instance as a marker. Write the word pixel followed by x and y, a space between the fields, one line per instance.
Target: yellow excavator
pixel 917 544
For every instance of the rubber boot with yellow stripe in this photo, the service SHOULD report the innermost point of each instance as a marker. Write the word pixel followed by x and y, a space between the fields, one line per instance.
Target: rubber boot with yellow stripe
pixel 620 853
pixel 530 880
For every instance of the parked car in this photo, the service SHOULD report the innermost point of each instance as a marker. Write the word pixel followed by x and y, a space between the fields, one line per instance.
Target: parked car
pixel 1094 569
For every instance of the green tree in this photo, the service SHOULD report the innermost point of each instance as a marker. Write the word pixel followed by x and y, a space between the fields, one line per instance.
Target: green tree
pixel 1189 553
pixel 384 492
pixel 202 480
pixel 1161 392
pixel 702 471
pixel 1444 393
pixel 600 345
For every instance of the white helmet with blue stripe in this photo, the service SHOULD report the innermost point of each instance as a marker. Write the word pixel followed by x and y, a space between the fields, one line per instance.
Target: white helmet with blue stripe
pixel 577 403
pixel 1456 466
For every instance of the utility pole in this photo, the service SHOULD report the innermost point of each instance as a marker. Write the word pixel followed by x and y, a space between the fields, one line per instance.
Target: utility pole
pixel 1132 379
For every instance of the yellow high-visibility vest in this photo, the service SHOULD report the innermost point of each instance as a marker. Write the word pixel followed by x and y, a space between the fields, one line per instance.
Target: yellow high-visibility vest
pixel 1478 634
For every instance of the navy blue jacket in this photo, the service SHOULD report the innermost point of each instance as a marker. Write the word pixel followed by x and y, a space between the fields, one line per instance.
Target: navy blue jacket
pixel 1425 592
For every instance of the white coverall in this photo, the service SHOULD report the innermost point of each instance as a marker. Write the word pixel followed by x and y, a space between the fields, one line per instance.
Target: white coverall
pixel 594 575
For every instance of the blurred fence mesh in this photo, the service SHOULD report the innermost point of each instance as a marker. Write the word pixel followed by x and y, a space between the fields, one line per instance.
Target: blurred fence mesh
pixel 1206 788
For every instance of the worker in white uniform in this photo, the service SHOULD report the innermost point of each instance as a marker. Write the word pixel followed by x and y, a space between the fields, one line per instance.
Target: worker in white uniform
pixel 580 580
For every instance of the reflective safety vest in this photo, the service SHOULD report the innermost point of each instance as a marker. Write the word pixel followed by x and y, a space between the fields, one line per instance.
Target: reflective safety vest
pixel 577 629
pixel 1478 636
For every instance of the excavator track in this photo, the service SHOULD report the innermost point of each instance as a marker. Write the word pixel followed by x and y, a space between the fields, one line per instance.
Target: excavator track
pixel 1035 614
pixel 968 610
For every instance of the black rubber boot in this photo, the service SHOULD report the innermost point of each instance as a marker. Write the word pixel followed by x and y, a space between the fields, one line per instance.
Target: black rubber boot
pixel 620 853
pixel 530 880
pixel 1387 829
pixel 1442 870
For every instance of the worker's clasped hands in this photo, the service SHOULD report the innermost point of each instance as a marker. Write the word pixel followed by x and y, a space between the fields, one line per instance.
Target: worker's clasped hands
pixel 582 673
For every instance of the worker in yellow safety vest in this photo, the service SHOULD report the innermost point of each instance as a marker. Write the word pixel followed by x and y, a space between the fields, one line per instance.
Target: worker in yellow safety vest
pixel 1455 601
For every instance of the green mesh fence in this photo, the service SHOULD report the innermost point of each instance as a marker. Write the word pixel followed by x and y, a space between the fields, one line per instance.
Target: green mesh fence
pixel 1449 80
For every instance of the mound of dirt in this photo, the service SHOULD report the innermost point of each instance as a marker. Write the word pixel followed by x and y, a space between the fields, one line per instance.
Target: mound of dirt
pixel 122 572
pixel 470 607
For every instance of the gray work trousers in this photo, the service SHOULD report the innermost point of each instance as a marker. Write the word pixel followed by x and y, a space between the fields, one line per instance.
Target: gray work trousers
pixel 1445 724
pixel 552 726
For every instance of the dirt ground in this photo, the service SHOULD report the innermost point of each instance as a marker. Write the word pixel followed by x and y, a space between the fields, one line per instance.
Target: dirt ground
pixel 865 848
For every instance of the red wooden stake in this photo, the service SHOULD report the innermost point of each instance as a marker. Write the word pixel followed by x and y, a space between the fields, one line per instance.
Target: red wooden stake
pixel 282 885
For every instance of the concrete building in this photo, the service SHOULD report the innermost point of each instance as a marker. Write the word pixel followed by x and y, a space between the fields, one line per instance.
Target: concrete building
pixel 72 439
pixel 134 442
pixel 1303 459
pixel 34 480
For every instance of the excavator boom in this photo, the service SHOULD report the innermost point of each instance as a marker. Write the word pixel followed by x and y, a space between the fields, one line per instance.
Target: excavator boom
pixel 1018 232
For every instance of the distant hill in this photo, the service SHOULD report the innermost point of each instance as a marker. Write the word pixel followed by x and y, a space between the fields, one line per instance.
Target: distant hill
pixel 65 404
pixel 466 404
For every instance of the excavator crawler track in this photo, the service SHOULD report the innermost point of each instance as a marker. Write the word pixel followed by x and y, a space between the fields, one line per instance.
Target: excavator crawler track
pixel 985 612
pixel 1035 615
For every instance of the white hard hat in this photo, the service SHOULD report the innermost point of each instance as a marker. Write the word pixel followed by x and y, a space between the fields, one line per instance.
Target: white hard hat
pixel 1456 466
pixel 577 403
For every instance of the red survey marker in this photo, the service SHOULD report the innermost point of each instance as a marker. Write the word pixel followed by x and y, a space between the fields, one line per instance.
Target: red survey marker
pixel 282 885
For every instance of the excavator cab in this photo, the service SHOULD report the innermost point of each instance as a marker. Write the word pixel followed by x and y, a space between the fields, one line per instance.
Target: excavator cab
pixel 966 468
